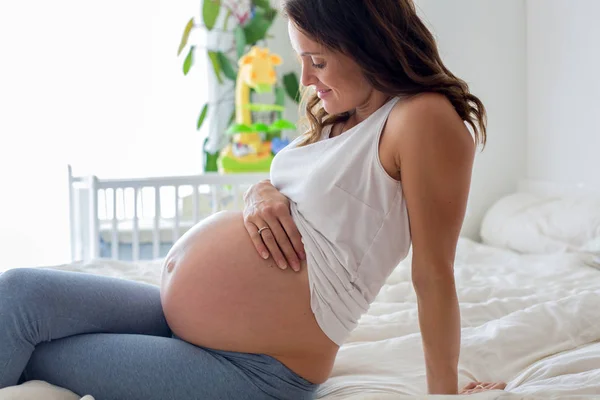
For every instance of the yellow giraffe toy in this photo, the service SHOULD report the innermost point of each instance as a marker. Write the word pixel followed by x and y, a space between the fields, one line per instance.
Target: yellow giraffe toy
pixel 251 154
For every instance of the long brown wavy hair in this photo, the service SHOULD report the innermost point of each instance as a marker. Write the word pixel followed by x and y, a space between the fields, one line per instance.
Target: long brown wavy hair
pixel 393 47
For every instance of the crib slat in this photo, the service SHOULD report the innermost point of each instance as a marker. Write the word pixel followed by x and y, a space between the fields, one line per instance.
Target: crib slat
pixel 156 230
pixel 79 225
pixel 195 205
pixel 114 243
pixel 176 227
pixel 72 208
pixel 105 204
pixel 236 200
pixel 95 223
pixel 135 245
pixel 124 204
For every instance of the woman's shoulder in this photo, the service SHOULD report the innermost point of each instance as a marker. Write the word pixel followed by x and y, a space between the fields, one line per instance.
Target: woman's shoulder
pixel 418 127
pixel 423 106
pixel 424 117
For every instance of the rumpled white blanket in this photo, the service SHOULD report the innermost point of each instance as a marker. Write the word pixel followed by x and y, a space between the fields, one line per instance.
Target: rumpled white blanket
pixel 531 321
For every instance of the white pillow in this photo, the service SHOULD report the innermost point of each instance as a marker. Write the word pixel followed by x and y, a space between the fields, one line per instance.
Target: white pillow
pixel 37 390
pixel 529 223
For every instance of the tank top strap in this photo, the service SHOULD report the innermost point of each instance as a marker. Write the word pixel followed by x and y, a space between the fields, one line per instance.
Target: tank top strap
pixel 388 107
pixel 377 120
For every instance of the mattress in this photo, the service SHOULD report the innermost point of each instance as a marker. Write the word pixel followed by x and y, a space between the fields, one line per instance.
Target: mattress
pixel 531 321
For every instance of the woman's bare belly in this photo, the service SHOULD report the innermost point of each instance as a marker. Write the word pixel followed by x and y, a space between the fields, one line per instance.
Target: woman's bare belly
pixel 217 292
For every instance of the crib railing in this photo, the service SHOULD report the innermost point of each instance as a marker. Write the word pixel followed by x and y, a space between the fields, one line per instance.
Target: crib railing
pixel 113 213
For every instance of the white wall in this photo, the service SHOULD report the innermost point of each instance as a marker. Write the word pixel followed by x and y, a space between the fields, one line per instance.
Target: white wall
pixel 483 42
pixel 280 44
pixel 563 40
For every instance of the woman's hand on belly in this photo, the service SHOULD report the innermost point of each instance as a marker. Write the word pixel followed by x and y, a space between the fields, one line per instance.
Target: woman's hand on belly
pixel 265 207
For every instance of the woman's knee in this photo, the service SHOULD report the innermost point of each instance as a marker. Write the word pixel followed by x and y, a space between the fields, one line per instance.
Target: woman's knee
pixel 21 284
pixel 24 295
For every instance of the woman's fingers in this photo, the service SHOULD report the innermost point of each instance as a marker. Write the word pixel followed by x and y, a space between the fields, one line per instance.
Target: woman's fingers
pixel 266 207
pixel 470 386
pixel 498 386
pixel 478 387
pixel 490 385
pixel 283 243
pixel 292 232
pixel 269 240
pixel 257 240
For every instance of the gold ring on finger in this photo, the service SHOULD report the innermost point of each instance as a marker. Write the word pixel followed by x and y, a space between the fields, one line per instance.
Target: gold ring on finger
pixel 262 229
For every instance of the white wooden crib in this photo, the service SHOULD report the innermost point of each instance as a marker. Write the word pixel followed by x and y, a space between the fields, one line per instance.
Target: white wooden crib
pixel 133 219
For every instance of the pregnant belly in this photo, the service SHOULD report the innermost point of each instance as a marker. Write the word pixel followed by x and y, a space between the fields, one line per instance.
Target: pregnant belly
pixel 217 292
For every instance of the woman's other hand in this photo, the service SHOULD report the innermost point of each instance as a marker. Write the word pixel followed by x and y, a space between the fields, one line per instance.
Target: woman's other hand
pixel 478 387
pixel 265 207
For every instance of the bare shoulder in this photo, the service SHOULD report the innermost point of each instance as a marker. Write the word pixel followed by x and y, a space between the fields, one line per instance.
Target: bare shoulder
pixel 425 122
pixel 425 131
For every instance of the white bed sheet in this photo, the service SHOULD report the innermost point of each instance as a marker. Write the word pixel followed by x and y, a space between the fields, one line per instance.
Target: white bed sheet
pixel 532 321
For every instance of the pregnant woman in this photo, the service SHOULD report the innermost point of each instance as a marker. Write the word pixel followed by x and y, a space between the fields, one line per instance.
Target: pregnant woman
pixel 255 305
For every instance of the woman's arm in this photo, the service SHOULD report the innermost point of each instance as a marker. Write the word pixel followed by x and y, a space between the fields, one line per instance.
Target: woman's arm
pixel 435 154
pixel 265 206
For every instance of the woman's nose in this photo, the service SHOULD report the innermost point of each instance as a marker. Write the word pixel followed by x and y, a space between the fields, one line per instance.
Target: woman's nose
pixel 307 79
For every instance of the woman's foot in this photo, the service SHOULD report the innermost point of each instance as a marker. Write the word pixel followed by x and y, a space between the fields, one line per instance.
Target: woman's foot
pixel 478 387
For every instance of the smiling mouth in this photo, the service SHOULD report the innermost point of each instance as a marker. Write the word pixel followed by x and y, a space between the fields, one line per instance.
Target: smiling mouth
pixel 324 91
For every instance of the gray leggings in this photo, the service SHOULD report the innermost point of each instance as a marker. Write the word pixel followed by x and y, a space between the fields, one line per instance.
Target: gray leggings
pixel 108 337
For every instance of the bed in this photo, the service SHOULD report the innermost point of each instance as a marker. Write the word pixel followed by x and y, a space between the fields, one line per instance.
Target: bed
pixel 529 318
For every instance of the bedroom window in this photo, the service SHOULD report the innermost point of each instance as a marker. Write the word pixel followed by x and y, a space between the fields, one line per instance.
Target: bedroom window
pixel 95 85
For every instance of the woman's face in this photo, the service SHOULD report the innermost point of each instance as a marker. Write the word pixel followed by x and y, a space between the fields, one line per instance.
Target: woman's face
pixel 337 78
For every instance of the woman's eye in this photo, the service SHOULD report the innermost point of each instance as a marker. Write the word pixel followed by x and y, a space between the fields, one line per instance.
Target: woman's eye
pixel 318 65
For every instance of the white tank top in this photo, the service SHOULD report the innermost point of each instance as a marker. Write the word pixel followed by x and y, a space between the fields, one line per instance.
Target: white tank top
pixel 352 217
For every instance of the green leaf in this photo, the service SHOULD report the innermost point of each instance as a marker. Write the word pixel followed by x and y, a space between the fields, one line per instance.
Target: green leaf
pixel 261 3
pixel 202 116
pixel 258 26
pixel 260 127
pixel 226 66
pixel 279 96
pixel 282 124
pixel 270 13
pixel 186 35
pixel 264 107
pixel 214 58
pixel 240 41
pixel 210 12
pixel 189 60
pixel 292 87
pixel 239 128
pixel 280 99
pixel 231 118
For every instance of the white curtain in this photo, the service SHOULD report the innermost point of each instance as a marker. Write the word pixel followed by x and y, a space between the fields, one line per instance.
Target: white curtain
pixel 97 85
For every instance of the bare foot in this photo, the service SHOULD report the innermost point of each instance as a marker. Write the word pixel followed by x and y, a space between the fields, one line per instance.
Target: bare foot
pixel 478 387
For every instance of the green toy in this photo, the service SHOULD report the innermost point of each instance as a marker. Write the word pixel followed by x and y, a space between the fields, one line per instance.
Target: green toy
pixel 250 147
